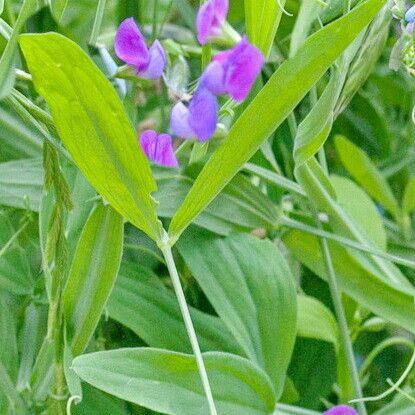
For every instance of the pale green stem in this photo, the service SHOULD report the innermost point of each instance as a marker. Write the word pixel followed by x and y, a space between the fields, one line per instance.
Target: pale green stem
pixel 293 224
pixel 99 16
pixel 339 310
pixel 166 249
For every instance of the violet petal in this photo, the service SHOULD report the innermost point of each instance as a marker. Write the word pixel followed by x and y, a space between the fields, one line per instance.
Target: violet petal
pixel 130 45
pixel 341 410
pixel 203 114
pixel 158 148
pixel 410 15
pixel 213 78
pixel 164 154
pixel 243 67
pixel 204 22
pixel 157 62
pixel 410 27
pixel 179 121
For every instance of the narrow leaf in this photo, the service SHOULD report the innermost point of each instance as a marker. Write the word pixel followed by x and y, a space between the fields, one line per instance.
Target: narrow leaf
pixel 359 165
pixel 271 106
pixel 92 275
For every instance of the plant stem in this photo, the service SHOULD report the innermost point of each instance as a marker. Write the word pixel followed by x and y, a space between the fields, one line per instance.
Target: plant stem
pixel 166 249
pixel 294 224
pixel 99 15
pixel 338 307
pixel 342 322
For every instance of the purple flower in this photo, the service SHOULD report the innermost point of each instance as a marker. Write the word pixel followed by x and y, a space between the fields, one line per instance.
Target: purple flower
pixel 158 148
pixel 210 18
pixel 130 47
pixel 234 71
pixel 410 15
pixel 341 410
pixel 410 27
pixel 199 119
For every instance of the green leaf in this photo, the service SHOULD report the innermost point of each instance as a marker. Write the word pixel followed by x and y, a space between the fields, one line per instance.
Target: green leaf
pixel 143 304
pixel 408 203
pixel 271 106
pixel 168 382
pixel 1 6
pixel 19 139
pixel 262 19
pixel 360 209
pixel 259 312
pixel 57 8
pixel 8 59
pixel 15 273
pixel 316 321
pixel 359 165
pixel 21 183
pixel 392 302
pixel 93 125
pixel 239 207
pixel 92 275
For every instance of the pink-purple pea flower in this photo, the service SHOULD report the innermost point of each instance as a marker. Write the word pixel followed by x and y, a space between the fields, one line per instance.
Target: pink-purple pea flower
pixel 131 48
pixel 234 71
pixel 199 119
pixel 341 410
pixel 210 18
pixel 410 19
pixel 158 148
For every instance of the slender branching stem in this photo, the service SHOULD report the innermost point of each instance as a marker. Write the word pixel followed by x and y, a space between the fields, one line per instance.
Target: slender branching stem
pixel 168 256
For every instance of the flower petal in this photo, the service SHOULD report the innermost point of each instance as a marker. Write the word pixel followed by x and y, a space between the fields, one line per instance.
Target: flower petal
pixel 130 45
pixel 158 148
pixel 157 62
pixel 204 22
pixel 179 121
pixel 410 27
pixel 341 410
pixel 221 10
pixel 410 15
pixel 213 78
pixel 203 114
pixel 244 65
pixel 148 143
pixel 164 155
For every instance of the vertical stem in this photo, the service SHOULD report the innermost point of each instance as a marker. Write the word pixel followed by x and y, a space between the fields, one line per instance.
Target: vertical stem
pixel 189 326
pixel 338 307
pixel 99 15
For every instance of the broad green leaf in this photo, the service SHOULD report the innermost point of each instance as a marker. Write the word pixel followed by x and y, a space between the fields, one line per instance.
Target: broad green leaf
pixel 143 304
pixel 262 19
pixel 239 207
pixel 8 58
pixel 271 106
pixel 92 275
pixel 360 209
pixel 21 183
pixel 252 290
pixel 316 321
pixel 94 127
pixel 408 203
pixel 169 383
pixel 392 302
pixel 359 165
pixel 57 7
pixel 18 138
pixel 96 402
